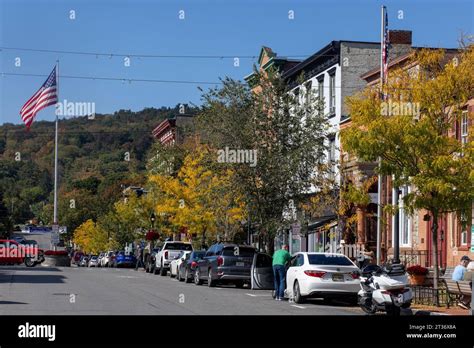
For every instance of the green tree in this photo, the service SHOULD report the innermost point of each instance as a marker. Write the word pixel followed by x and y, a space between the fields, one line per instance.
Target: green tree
pixel 286 130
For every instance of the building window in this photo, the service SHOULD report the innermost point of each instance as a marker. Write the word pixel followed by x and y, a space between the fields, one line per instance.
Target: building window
pixel 464 238
pixel 405 221
pixel 332 155
pixel 464 127
pixel 308 91
pixel 332 93
pixel 321 93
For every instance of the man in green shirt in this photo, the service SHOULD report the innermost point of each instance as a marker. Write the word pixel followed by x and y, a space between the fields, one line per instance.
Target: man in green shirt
pixel 280 258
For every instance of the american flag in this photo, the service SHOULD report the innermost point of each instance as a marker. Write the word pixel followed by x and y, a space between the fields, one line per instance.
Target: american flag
pixel 46 96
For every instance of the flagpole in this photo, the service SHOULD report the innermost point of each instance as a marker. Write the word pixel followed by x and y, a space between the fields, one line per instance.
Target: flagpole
pixel 379 179
pixel 55 217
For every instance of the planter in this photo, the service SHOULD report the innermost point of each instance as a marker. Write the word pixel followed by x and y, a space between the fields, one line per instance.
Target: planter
pixel 56 260
pixel 417 279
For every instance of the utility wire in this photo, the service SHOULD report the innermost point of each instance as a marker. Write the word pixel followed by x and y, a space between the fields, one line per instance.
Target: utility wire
pixel 117 79
pixel 130 80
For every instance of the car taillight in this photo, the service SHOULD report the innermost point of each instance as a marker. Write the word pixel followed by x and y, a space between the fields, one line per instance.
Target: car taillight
pixel 166 254
pixel 220 261
pixel 355 275
pixel 317 274
pixel 194 264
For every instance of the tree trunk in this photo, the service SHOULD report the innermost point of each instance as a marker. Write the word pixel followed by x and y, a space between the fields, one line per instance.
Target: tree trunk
pixel 434 244
pixel 203 240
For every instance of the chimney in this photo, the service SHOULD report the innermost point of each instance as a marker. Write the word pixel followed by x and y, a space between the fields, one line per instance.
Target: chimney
pixel 400 37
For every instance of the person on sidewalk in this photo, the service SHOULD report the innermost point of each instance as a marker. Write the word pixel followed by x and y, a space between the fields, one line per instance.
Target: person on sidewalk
pixel 280 259
pixel 139 257
pixel 458 275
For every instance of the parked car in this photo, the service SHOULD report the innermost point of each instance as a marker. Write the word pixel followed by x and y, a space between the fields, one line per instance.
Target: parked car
pixel 94 261
pixel 76 257
pixel 106 260
pixel 262 272
pixel 225 263
pixel 123 260
pixel 167 253
pixel 187 267
pixel 12 252
pixel 84 261
pixel 150 262
pixel 325 275
pixel 99 259
pixel 174 265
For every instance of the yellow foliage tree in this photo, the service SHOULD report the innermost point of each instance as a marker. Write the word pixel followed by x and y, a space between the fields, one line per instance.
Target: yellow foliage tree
pixel 91 237
pixel 200 198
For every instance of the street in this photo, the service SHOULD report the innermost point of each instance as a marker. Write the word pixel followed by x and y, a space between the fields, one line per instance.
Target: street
pixel 112 291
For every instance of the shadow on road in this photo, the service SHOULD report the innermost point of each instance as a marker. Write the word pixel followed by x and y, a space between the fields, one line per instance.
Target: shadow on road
pixel 11 302
pixel 24 268
pixel 32 279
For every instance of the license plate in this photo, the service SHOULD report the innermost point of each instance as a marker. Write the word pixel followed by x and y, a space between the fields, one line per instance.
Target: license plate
pixel 338 277
pixel 239 264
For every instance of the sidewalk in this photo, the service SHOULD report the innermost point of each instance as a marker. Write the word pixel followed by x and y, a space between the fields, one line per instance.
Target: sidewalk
pixel 432 310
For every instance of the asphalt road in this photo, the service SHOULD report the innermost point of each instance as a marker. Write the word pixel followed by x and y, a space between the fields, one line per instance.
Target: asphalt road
pixel 109 291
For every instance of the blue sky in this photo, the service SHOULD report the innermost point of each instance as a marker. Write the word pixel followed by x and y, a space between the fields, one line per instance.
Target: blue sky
pixel 230 27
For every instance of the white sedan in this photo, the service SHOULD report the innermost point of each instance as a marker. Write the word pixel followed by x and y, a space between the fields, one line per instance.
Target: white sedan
pixel 322 275
pixel 174 265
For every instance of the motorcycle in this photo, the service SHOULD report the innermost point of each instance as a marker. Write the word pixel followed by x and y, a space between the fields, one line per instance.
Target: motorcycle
pixel 384 289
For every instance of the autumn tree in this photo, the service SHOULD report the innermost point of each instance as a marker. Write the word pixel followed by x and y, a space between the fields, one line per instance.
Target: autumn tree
pixel 199 198
pixel 287 131
pixel 418 148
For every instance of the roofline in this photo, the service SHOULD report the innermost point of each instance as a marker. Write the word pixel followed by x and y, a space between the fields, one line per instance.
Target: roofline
pixel 399 59
pixel 336 44
pixel 310 59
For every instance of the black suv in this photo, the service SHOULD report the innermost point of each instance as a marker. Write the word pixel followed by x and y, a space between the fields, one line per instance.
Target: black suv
pixel 225 263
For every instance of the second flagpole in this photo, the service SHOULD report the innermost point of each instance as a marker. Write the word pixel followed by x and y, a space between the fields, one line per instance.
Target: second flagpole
pixel 55 214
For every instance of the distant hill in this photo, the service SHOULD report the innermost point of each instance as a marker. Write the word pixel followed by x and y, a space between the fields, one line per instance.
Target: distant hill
pixel 96 156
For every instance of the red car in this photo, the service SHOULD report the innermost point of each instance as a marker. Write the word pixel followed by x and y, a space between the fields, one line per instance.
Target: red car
pixel 12 252
pixel 76 257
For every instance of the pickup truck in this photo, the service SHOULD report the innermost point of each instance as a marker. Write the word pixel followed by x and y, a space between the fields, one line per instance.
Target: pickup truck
pixel 168 253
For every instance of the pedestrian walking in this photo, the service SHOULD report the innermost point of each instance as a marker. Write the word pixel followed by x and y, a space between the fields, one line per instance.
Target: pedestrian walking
pixel 280 259
pixel 139 256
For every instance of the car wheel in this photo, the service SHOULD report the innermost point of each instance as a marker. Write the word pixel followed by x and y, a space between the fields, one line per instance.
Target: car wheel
pixel 186 277
pixel 162 270
pixel 210 283
pixel 297 294
pixel 29 262
pixel 197 279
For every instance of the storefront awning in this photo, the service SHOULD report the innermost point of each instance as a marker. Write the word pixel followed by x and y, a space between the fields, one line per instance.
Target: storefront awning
pixel 320 222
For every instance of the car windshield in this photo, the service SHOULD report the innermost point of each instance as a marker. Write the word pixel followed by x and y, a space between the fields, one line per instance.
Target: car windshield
pixel 179 246
pixel 238 251
pixel 322 259
pixel 199 254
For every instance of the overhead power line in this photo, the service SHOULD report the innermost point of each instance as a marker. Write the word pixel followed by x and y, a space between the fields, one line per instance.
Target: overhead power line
pixel 130 80
pixel 110 55
pixel 175 56
pixel 118 79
